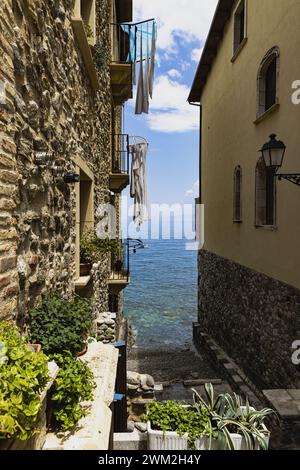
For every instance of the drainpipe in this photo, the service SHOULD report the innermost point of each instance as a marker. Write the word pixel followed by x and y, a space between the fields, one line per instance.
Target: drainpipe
pixel 200 148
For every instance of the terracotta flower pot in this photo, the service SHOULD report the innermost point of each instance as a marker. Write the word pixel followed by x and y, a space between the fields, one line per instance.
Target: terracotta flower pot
pixel 35 347
pixel 85 269
pixel 81 353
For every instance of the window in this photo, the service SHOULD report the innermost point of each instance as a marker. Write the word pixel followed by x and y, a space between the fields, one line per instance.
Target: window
pixel 268 81
pixel 265 195
pixel 239 25
pixel 86 10
pixel 84 205
pixel 237 195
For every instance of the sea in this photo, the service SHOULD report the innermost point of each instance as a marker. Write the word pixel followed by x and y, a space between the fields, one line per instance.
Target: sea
pixel 161 301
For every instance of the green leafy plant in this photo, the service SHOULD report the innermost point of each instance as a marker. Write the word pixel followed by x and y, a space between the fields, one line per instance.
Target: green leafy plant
pixel 177 417
pixel 74 384
pixel 88 31
pixel 101 56
pixel 61 325
pixel 92 248
pixel 23 375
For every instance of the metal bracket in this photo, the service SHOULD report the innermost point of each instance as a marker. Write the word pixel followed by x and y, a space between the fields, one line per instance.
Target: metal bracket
pixel 291 177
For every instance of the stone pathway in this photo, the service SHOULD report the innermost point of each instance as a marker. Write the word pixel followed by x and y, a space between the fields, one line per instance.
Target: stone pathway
pixel 175 368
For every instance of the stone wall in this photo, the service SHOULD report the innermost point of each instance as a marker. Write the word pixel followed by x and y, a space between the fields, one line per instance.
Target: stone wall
pixel 254 318
pixel 47 104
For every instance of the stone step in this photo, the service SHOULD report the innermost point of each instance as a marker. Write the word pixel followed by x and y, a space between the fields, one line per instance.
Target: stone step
pixel 197 382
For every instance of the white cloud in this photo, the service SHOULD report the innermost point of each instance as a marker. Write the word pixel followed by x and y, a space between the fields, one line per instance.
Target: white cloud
pixel 184 20
pixel 169 110
pixel 173 73
pixel 194 191
pixel 189 19
pixel 196 54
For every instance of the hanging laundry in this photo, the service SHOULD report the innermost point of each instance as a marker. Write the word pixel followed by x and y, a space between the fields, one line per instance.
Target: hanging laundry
pixel 146 78
pixel 152 67
pixel 140 94
pixel 146 41
pixel 138 185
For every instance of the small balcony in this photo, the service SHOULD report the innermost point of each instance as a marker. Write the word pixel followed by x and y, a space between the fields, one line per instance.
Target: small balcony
pixel 120 272
pixel 119 176
pixel 121 66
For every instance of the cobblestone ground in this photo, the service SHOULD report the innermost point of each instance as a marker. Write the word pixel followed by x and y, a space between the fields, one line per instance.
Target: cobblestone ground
pixel 171 367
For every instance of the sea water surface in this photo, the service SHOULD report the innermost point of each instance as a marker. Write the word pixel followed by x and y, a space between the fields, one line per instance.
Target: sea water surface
pixel 161 301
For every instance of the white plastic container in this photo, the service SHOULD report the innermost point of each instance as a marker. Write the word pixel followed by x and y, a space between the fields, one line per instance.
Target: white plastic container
pixel 159 440
pixel 239 443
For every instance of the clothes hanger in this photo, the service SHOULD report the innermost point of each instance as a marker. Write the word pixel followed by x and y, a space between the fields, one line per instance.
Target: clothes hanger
pixel 136 137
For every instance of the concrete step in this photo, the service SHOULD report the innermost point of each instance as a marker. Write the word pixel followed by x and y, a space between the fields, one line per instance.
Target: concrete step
pixel 135 440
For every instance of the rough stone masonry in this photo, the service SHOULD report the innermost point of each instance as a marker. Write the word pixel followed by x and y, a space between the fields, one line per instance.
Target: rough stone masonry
pixel 48 105
pixel 253 317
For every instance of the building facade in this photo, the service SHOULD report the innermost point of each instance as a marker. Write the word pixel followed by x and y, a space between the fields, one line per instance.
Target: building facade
pixel 249 277
pixel 63 86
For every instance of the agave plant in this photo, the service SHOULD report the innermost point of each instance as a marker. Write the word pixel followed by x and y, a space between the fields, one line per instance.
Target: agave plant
pixel 216 409
pixel 229 416
pixel 247 421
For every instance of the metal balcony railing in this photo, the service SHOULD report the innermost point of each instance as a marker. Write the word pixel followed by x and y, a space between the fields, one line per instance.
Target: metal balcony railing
pixel 120 154
pixel 126 40
pixel 121 35
pixel 120 268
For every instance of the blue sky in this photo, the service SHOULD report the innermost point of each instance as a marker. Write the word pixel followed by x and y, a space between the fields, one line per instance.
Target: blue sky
pixel 172 125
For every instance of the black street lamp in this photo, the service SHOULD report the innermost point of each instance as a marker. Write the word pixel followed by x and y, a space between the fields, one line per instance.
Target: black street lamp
pixel 273 154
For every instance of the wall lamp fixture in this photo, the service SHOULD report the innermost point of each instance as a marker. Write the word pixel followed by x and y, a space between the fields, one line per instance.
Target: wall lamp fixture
pixel 71 178
pixel 273 153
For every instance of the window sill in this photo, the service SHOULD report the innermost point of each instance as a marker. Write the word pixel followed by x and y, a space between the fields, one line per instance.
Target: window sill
pixel 85 48
pixel 237 222
pixel 263 116
pixel 82 282
pixel 239 50
pixel 268 228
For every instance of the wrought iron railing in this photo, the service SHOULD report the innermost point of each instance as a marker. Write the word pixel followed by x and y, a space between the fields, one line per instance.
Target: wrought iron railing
pixel 121 35
pixel 120 267
pixel 120 153
pixel 126 40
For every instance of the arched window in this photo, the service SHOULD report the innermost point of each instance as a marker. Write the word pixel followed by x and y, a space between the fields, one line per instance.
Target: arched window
pixel 237 195
pixel 268 81
pixel 265 195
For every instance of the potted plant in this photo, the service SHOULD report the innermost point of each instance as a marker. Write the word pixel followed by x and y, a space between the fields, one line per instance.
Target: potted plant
pixel 221 423
pixel 233 426
pixel 93 248
pixel 23 377
pixel 74 385
pixel 173 425
pixel 61 325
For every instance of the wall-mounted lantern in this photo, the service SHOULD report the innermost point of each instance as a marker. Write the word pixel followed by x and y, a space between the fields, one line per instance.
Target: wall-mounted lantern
pixel 71 177
pixel 273 153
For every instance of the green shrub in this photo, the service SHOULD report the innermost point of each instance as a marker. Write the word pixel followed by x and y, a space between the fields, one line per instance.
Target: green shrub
pixel 177 417
pixel 60 325
pixel 92 248
pixel 23 375
pixel 74 384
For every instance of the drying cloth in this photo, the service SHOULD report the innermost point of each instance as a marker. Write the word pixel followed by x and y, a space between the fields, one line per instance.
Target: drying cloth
pixel 145 41
pixel 138 185
pixel 142 101
pixel 146 78
pixel 152 68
